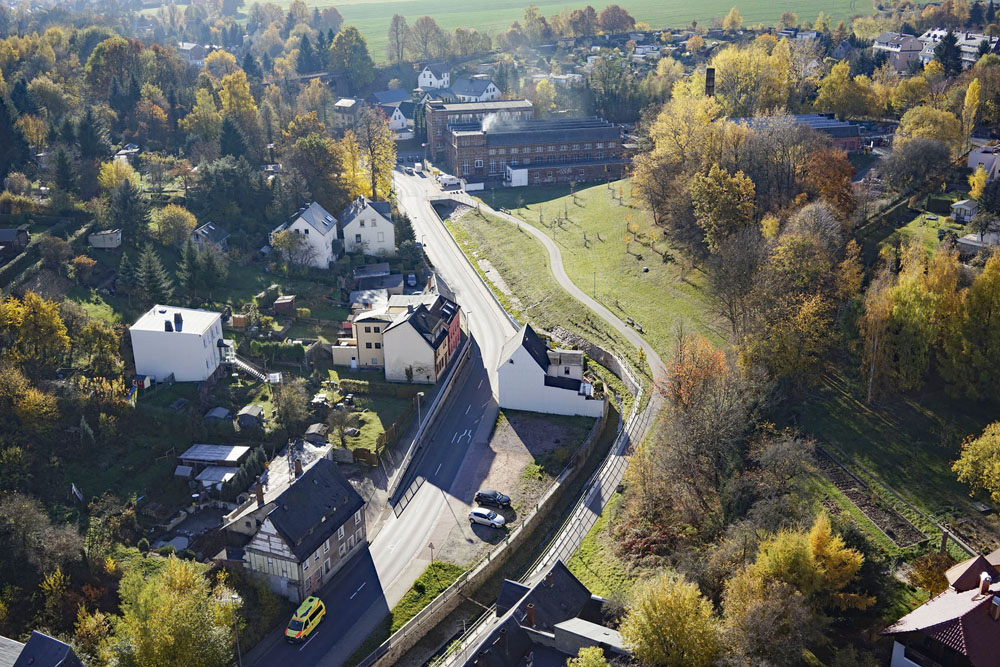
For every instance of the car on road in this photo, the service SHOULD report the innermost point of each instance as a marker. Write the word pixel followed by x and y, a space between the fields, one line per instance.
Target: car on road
pixel 307 617
pixel 408 170
pixel 485 517
pixel 491 497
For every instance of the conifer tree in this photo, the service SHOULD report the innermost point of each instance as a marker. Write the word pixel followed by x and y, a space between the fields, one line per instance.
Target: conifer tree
pixel 153 284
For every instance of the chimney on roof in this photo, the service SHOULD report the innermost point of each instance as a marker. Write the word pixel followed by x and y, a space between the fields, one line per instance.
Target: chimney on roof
pixel 984 583
pixel 529 615
pixel 259 490
pixel 409 307
pixel 178 321
pixel 550 579
pixel 167 326
pixel 298 468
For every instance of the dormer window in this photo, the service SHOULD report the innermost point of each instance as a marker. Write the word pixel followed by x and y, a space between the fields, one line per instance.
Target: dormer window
pixel 362 223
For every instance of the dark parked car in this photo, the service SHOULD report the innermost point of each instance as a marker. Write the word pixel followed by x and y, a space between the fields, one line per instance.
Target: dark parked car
pixel 491 497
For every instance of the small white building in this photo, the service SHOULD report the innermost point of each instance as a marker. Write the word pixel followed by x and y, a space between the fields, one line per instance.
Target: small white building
pixel 368 227
pixel 476 89
pixel 319 229
pixel 182 342
pixel 434 76
pixel 968 43
pixel 965 210
pixel 108 239
pixel 532 377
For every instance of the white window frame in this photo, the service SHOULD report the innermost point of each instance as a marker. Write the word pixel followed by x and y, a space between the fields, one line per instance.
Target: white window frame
pixel 340 533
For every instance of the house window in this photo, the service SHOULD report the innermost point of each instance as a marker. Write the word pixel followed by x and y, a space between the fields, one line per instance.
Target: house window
pixel 600 155
pixel 552 149
pixel 538 149
pixel 368 346
pixel 362 223
pixel 565 370
pixel 527 160
pixel 374 361
pixel 465 167
pixel 599 144
pixel 305 566
pixel 563 148
pixel 326 566
pixel 316 555
pixel 493 151
pixel 377 329
pixel 307 232
pixel 586 147
pixel 326 547
pixel 381 237
pixel 340 533
pixel 368 329
pixel 357 517
pixel 350 542
pixel 357 238
pixel 576 147
pixel 270 562
pixel 513 151
pixel 493 166
pixel 378 346
pixel 479 164
pixel 357 536
pixel 501 151
pixel 513 163
pixel 248 524
pixel 343 550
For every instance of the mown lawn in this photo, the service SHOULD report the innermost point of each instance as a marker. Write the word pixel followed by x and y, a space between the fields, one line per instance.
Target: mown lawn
pixel 595 563
pixel 641 280
pixel 924 228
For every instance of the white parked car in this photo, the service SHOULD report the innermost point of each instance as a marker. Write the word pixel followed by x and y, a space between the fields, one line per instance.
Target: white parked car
pixel 486 517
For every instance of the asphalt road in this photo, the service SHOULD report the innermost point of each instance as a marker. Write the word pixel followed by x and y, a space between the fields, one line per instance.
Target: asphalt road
pixel 359 596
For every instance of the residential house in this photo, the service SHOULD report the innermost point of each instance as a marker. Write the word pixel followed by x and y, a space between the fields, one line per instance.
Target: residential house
pixel 394 114
pixel 303 534
pixel 217 414
pixel 968 43
pixel 107 239
pixel 210 234
pixel 180 342
pixel 211 465
pixel 367 299
pixel 901 49
pixel 368 228
pixel 390 96
pixel 128 153
pixel 376 270
pixel 317 433
pixel 250 416
pixel 392 284
pixel 972 244
pixel 964 210
pixel 284 305
pixel 434 76
pixel 345 113
pixel 532 377
pixel 987 157
pixel 193 54
pixel 39 651
pixel 958 626
pixel 419 342
pixel 547 623
pixel 13 241
pixel 368 329
pixel 319 230
pixel 476 89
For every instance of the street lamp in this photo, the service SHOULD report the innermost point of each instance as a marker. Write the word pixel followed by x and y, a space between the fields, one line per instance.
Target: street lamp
pixel 420 395
pixel 236 628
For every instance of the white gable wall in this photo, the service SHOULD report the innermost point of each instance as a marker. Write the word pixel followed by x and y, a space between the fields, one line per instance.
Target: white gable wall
pixel 522 387
pixel 405 348
pixel 321 244
pixel 371 234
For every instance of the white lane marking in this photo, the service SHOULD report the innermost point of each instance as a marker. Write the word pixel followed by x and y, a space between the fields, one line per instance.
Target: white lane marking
pixel 315 632
pixel 453 437
pixel 438 470
pixel 480 385
pixel 359 590
pixel 467 409
pixel 466 432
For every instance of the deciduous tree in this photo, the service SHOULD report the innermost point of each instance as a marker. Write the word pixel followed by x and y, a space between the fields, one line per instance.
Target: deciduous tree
pixel 723 203
pixel 349 53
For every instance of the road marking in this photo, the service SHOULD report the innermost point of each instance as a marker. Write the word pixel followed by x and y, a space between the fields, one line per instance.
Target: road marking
pixel 438 470
pixel 359 590
pixel 466 432
pixel 391 547
pixel 480 385
pixel 315 632
pixel 467 409
pixel 453 437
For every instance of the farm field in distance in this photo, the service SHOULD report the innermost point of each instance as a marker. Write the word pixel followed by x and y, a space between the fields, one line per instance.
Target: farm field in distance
pixel 371 17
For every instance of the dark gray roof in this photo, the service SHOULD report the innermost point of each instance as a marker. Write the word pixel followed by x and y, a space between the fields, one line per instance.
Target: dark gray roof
pixel 253 410
pixel 371 270
pixel 314 507
pixel 317 217
pixel 510 594
pixel 8 235
pixel 532 342
pixel 393 281
pixel 470 87
pixel 562 382
pixel 9 650
pixel 407 108
pixel 390 96
pixel 424 322
pixel 548 130
pixel 359 204
pixel 211 233
pixel 44 651
pixel 438 69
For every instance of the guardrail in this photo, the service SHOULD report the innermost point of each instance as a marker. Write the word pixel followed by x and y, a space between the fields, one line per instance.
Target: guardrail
pixel 432 411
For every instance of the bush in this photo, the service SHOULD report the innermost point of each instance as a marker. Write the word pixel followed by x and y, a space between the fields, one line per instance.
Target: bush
pixel 187 554
pixel 142 545
pixel 303 313
pixel 166 550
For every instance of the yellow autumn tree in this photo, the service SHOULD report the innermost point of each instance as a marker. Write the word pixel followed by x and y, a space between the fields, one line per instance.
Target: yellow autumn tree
pixel 204 119
pixel 114 173
pixel 977 182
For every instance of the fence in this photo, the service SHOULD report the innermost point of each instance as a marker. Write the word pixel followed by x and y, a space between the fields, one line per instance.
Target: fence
pixel 566 540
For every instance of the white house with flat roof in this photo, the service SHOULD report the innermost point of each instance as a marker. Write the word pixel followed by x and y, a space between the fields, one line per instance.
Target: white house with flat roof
pixel 182 342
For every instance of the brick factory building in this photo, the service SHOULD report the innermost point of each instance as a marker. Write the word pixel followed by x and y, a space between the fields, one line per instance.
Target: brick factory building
pixel 530 152
pixel 442 114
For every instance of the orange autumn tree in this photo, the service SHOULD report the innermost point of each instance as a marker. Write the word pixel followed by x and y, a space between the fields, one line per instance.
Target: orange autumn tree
pixel 695 367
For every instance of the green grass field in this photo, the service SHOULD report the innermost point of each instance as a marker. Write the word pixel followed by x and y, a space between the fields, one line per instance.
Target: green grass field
pixel 372 16
pixel 597 261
